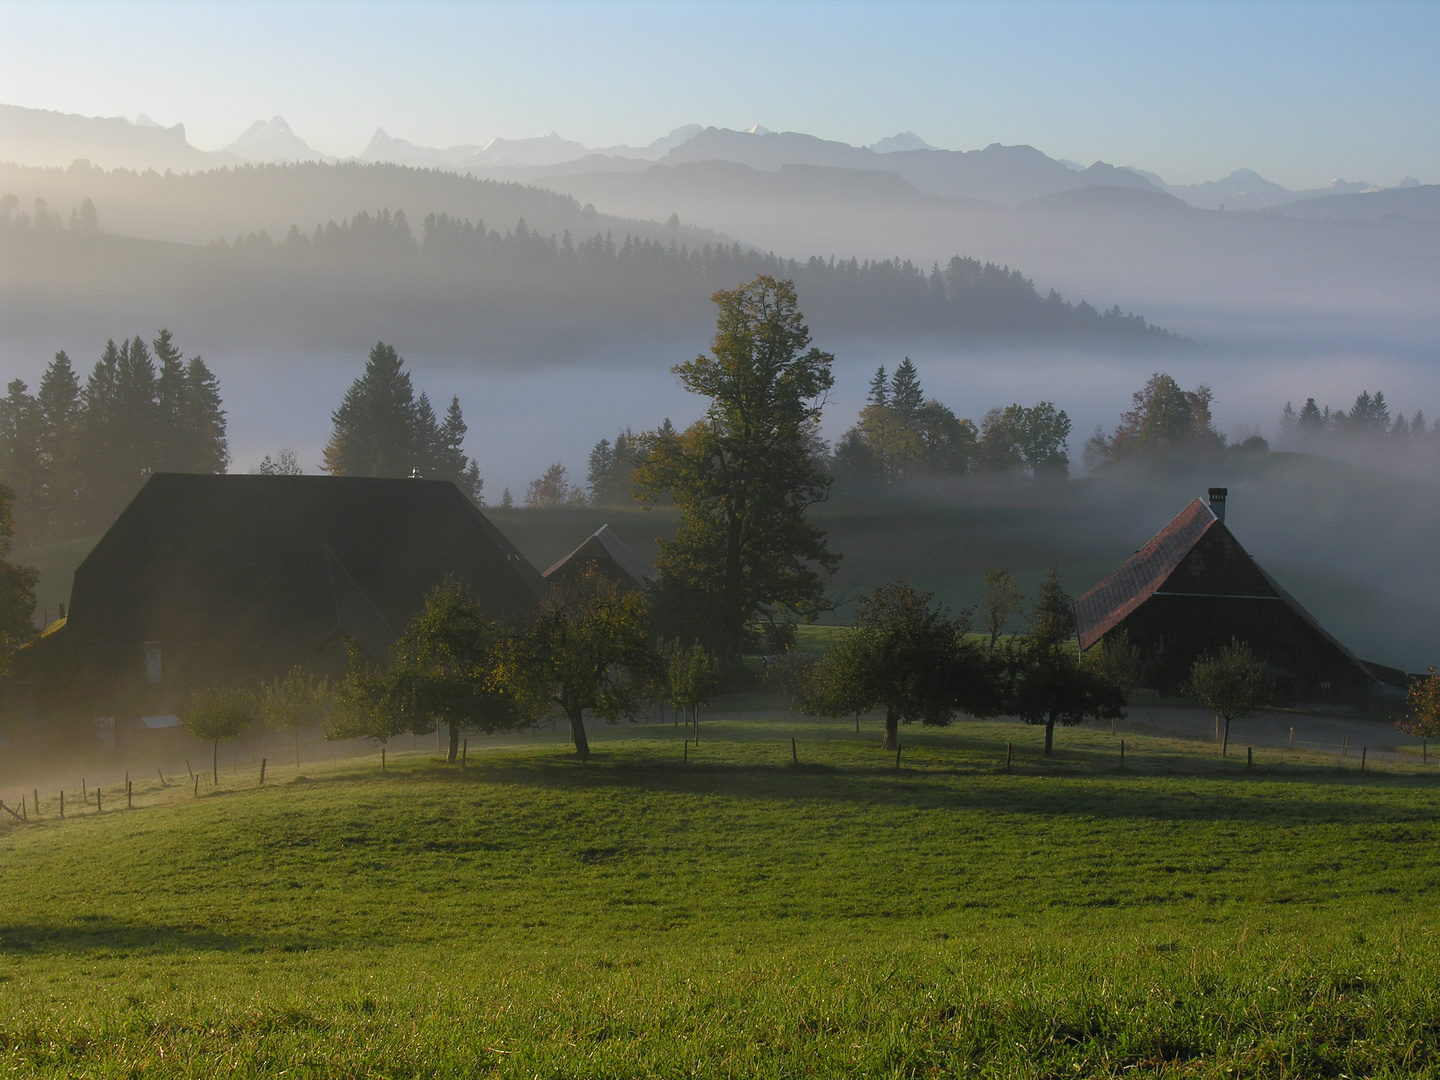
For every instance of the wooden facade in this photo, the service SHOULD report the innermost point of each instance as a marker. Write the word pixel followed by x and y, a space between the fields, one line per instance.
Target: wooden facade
pixel 1193 588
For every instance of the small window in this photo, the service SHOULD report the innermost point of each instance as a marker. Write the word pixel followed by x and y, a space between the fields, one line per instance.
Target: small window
pixel 1167 644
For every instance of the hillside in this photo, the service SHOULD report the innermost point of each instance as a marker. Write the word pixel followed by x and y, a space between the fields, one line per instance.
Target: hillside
pixel 723 912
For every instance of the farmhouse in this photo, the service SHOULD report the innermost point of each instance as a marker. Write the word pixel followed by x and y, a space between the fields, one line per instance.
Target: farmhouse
pixel 239 578
pixel 1193 588
pixel 607 555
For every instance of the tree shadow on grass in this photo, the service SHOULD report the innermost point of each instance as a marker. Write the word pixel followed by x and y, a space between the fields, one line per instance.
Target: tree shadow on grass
pixel 102 934
pixel 1280 799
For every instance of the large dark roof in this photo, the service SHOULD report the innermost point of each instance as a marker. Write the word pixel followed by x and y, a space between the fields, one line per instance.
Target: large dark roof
pixel 276 564
pixel 604 550
pixel 1194 555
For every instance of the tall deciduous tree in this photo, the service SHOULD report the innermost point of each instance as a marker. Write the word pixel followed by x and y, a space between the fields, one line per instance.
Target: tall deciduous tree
pixel 1232 684
pixel 744 476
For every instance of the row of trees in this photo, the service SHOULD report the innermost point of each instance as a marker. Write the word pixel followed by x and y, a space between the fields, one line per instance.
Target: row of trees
pixel 964 294
pixel 1368 428
pixel 589 651
pixel 83 218
pixel 382 429
pixel 902 435
pixel 74 454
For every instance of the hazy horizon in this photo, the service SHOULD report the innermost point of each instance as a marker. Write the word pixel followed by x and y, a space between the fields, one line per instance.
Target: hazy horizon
pixel 1302 93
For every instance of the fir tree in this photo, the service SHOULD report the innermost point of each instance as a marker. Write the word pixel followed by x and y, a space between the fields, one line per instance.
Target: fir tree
pixel 906 396
pixel 879 395
pixel 374 428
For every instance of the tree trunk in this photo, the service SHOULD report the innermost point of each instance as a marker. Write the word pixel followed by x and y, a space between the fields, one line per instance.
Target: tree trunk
pixel 1225 745
pixel 892 730
pixel 215 763
pixel 577 732
pixel 1049 736
pixel 454 742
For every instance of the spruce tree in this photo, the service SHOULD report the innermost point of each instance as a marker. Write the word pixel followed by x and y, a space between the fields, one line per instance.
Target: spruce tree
pixel 22 467
pixel 60 411
pixel 879 396
pixel 206 449
pixel 374 428
pixel 454 465
pixel 906 396
pixel 170 390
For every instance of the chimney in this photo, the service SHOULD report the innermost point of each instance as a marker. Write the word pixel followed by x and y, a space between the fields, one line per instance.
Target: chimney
pixel 1217 503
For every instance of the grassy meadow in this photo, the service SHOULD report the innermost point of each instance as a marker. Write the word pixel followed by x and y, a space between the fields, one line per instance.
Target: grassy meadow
pixel 722 910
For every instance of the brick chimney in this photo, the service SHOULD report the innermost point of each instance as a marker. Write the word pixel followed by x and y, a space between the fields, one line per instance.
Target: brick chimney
pixel 1217 503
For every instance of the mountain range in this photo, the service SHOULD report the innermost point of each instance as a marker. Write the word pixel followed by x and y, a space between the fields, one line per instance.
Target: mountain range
pixel 1006 175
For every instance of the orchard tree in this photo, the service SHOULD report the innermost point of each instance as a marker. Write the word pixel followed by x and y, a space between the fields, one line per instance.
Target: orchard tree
pixel 1422 710
pixel 219 712
pixel 1003 599
pixel 744 476
pixel 908 655
pixel 1232 684
pixel 588 651
pixel 451 668
pixel 294 702
pixel 692 677
pixel 1048 683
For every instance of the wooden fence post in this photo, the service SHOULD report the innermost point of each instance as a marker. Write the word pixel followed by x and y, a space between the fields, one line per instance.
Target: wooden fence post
pixel 1122 754
pixel 382 760
pixel 464 751
pixel 686 759
pixel 197 784
pixel 1363 750
pixel 98 808
pixel 37 802
pixel 62 802
pixel 129 795
pixel 262 772
pixel 1008 748
pixel 189 771
pixel 162 776
pixel 794 755
pixel 1249 757
pixel 897 753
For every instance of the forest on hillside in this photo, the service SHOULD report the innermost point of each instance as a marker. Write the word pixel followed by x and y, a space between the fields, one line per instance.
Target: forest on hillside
pixel 458 284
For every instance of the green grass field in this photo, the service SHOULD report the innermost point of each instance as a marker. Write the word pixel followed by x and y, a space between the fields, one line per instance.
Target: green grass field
pixel 736 916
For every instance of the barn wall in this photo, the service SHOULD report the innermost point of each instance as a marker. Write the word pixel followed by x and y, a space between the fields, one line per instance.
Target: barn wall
pixel 1173 631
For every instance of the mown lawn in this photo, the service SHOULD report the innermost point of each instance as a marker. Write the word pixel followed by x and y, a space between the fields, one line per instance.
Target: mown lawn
pixel 739 916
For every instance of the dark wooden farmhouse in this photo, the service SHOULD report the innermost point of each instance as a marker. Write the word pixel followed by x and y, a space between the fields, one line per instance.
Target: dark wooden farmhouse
pixel 1193 588
pixel 606 554
pixel 239 578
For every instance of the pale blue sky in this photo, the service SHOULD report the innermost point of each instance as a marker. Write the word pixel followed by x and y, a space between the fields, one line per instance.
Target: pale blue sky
pixel 1301 91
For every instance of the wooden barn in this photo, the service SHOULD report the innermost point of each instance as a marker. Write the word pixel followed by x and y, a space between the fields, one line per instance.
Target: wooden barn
pixel 1193 588
pixel 239 578
pixel 606 554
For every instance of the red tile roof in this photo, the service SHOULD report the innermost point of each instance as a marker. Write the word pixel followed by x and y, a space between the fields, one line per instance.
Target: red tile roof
pixel 1102 608
pixel 1194 555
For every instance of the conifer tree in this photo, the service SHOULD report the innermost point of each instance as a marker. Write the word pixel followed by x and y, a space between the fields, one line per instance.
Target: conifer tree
pixel 374 428
pixel 202 421
pixel 906 395
pixel 60 411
